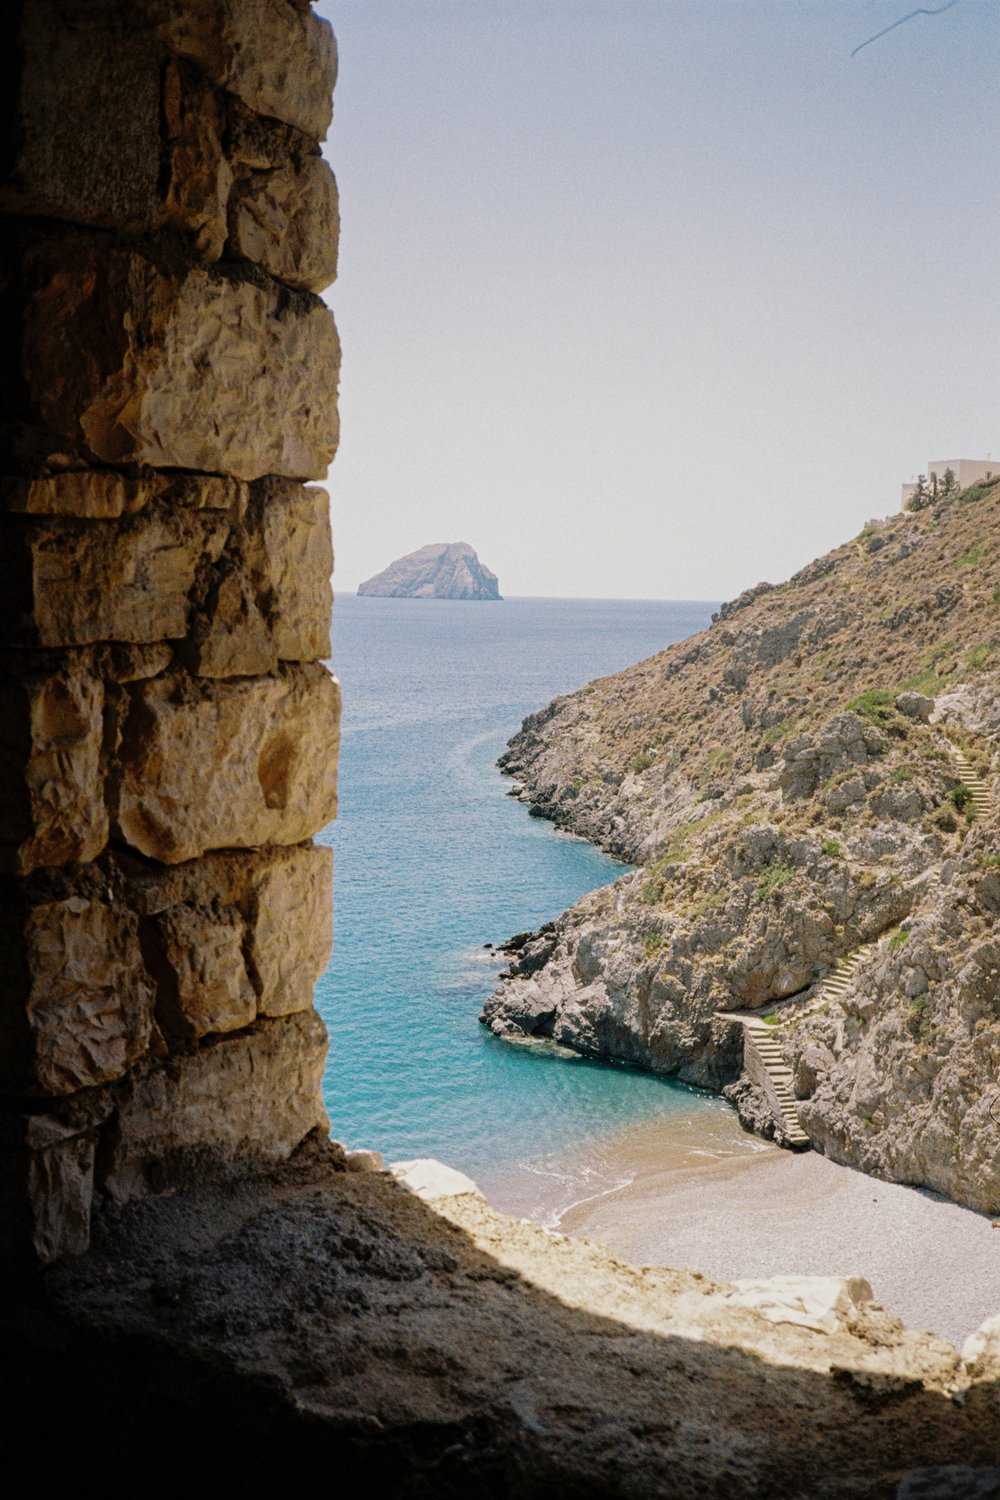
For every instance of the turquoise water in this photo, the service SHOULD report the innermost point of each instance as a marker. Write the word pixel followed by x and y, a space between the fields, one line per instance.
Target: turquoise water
pixel 433 860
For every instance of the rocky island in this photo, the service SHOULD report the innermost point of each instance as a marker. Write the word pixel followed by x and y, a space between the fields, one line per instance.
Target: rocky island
pixel 442 570
pixel 808 789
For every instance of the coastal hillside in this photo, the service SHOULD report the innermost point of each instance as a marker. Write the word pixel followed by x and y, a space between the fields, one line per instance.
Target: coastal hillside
pixel 809 779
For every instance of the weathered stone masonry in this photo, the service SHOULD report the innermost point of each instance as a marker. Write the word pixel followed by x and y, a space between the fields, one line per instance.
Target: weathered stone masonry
pixel 168 735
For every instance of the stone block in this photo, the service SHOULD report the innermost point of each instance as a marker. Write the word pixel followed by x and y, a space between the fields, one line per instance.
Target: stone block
pixel 94 158
pixel 46 1189
pixel 129 581
pixel 51 781
pixel 132 663
pixel 287 219
pixel 78 1005
pixel 278 58
pixel 229 636
pixel 103 495
pixel 227 764
pixel 290 929
pixel 60 1187
pixel 196 957
pixel 91 494
pixel 254 1094
pixel 197 172
pixel 291 558
pixel 123 358
pixel 137 141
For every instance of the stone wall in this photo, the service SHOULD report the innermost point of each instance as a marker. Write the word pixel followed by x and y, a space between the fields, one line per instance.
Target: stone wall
pixel 168 735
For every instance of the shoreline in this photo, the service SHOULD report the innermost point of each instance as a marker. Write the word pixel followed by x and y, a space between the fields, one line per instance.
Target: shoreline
pixel 734 1207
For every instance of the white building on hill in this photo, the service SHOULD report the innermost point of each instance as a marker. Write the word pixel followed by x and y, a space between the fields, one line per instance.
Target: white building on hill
pixel 966 471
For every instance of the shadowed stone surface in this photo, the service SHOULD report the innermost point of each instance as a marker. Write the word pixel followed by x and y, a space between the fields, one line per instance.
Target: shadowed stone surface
pixel 157 349
pixel 51 744
pixel 256 1093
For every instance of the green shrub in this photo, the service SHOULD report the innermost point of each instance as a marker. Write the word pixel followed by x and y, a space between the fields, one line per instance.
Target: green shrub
pixel 929 681
pixel 832 849
pixel 651 942
pixel 773 878
pixel 990 862
pixel 878 707
pixel 960 798
pixel 978 656
pixel 897 938
pixel 717 762
pixel 652 891
pixel 918 1022
pixel 973 557
pixel 978 491
pixel 641 761
pixel 776 733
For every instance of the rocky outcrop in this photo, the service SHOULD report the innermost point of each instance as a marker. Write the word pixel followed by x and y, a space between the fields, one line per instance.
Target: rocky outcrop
pixel 169 739
pixel 444 570
pixel 789 784
pixel 899 1076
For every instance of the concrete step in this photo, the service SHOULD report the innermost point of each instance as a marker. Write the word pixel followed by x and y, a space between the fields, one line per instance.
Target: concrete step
pixel 779 1074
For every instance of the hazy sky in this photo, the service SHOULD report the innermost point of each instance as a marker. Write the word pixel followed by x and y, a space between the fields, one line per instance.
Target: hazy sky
pixel 656 298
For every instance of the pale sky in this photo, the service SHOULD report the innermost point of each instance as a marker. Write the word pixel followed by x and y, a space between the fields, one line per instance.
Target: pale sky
pixel 656 298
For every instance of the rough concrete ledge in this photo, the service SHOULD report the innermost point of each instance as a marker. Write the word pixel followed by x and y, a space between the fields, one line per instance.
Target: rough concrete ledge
pixel 330 1320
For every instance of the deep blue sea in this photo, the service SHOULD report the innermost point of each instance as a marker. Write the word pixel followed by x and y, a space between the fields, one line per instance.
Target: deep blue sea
pixel 434 860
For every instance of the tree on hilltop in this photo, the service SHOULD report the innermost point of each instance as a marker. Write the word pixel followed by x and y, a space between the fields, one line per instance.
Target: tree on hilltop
pixel 921 497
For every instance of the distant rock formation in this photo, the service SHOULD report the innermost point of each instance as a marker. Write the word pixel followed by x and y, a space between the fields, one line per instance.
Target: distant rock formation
pixel 443 570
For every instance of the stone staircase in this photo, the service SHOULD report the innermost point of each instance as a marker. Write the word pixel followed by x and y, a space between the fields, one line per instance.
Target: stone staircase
pixel 765 1065
pixel 983 798
pixel 836 983
pixel 764 1061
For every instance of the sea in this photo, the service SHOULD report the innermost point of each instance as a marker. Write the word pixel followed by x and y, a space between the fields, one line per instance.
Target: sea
pixel 434 861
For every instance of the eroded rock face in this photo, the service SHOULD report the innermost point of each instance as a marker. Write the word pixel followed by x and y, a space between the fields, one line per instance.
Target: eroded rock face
pixel 900 1074
pixel 387 1325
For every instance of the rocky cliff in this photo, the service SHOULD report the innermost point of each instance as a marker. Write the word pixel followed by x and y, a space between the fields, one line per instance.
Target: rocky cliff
pixel 790 783
pixel 443 570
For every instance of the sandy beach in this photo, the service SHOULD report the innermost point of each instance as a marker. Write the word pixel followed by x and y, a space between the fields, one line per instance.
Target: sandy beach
pixel 732 1206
